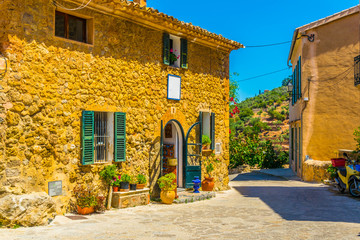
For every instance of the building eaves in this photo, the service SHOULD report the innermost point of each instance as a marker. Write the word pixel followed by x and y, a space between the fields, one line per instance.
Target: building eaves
pixel 320 22
pixel 152 18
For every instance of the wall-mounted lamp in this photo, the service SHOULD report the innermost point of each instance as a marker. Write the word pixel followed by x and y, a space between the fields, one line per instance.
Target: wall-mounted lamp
pixel 3 66
pixel 290 87
pixel 310 37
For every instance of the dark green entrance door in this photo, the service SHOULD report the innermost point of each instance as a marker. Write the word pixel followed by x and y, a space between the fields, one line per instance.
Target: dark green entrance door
pixel 192 153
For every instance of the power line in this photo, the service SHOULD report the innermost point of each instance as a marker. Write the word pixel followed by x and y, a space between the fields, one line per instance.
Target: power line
pixel 268 45
pixel 83 5
pixel 262 75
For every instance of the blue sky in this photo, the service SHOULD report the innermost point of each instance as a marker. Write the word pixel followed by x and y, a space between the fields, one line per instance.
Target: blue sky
pixel 253 22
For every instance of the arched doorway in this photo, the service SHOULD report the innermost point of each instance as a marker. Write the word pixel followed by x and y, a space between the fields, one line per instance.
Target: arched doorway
pixel 173 138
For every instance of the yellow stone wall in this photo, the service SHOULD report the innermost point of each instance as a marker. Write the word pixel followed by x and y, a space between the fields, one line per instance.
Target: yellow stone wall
pixel 52 80
pixel 331 115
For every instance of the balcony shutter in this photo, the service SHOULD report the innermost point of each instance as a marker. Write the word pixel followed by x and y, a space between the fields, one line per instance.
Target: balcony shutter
pixel 212 133
pixel 87 137
pixel 184 52
pixel 120 137
pixel 166 48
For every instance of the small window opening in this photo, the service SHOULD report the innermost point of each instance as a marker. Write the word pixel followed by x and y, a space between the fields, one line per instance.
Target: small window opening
pixel 70 27
pixel 103 136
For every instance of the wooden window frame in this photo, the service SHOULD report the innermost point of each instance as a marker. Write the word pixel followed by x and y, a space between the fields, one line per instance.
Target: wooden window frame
pixel 88 29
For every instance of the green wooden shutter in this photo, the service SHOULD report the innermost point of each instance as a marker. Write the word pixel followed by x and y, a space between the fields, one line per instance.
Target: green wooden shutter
pixel 120 137
pixel 212 131
pixel 299 77
pixel 166 48
pixel 87 137
pixel 184 51
pixel 293 90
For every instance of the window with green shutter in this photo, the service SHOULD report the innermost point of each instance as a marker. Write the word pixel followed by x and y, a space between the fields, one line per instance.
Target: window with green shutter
pixel 120 137
pixel 184 52
pixel 212 131
pixel 175 51
pixel 166 48
pixel 87 137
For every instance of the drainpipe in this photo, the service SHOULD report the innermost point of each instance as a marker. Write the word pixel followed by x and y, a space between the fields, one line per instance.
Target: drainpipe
pixel 306 100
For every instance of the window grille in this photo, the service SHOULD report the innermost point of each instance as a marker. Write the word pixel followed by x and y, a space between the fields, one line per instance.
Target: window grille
pixel 357 70
pixel 101 136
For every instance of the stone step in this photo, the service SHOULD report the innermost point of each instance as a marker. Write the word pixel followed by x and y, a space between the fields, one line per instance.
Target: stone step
pixel 189 196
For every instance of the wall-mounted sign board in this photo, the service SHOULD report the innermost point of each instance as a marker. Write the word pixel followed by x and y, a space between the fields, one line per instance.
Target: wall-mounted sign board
pixel 174 87
pixel 55 188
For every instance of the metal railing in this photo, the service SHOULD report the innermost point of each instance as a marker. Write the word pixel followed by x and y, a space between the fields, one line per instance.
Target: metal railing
pixel 357 70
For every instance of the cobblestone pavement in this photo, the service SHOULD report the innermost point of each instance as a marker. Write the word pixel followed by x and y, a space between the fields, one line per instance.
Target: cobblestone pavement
pixel 257 207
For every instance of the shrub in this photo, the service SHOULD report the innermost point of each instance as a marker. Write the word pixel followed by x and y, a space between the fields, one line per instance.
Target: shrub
pixel 125 178
pixel 141 179
pixel 108 173
pixel 206 140
pixel 166 182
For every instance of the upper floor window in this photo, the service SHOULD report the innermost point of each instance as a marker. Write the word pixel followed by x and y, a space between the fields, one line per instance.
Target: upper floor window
pixel 71 27
pixel 296 82
pixel 175 51
pixel 357 70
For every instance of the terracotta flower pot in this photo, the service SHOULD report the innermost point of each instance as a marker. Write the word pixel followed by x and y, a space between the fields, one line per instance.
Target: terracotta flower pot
pixel 207 184
pixel 167 197
pixel 140 186
pixel 85 210
pixel 115 188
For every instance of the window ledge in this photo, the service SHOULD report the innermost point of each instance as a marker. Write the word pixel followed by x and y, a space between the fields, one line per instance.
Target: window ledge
pixel 73 41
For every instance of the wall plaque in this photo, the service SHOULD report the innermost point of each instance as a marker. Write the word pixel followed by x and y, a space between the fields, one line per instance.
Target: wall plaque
pixel 55 188
pixel 174 87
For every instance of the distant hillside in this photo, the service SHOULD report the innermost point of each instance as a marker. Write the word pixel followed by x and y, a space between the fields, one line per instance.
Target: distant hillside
pixel 266 115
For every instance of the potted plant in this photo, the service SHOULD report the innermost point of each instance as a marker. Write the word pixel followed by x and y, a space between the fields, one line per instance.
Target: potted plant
pixel 107 174
pixel 167 185
pixel 141 181
pixel 206 141
pixel 208 183
pixel 86 199
pixel 116 183
pixel 124 182
pixel 133 181
pixel 173 57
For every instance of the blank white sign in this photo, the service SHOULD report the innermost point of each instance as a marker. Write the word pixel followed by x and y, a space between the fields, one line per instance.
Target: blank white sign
pixel 174 87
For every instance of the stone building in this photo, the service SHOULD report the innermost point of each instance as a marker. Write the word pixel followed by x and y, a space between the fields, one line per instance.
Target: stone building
pixel 325 104
pixel 90 85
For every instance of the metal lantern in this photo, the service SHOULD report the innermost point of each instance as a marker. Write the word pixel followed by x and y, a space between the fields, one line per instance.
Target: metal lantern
pixel 196 182
pixel 3 66
pixel 290 87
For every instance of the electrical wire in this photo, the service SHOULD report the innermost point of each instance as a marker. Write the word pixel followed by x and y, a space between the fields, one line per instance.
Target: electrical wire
pixel 83 5
pixel 272 44
pixel 330 79
pixel 262 75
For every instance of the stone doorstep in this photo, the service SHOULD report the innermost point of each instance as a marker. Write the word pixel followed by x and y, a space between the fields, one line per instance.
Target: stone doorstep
pixel 131 198
pixel 188 197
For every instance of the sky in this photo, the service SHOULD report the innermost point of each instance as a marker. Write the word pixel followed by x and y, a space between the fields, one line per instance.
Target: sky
pixel 253 22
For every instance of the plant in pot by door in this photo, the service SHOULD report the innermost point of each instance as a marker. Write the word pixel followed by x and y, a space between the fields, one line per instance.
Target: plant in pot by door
pixel 141 181
pixel 206 141
pixel 108 173
pixel 124 182
pixel 208 183
pixel 86 199
pixel 133 183
pixel 116 183
pixel 167 186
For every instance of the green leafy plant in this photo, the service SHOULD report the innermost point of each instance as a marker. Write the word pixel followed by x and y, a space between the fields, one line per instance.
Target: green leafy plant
pixel 86 196
pixel 209 163
pixel 141 179
pixel 167 182
pixel 206 140
pixel 332 170
pixel 116 181
pixel 357 138
pixel 108 173
pixel 125 178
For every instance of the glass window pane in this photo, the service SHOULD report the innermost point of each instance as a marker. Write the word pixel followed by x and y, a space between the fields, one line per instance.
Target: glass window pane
pixel 76 29
pixel 60 25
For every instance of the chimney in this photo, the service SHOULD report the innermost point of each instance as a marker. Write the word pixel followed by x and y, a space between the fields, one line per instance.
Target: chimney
pixel 141 2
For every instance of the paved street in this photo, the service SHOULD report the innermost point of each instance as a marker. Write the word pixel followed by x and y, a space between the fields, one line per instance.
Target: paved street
pixel 259 206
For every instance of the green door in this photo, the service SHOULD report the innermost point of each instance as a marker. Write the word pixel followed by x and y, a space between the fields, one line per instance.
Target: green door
pixel 192 153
